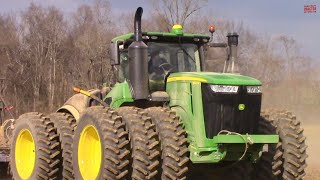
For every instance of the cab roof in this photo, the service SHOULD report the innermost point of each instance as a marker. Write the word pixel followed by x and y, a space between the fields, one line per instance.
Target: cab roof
pixel 161 36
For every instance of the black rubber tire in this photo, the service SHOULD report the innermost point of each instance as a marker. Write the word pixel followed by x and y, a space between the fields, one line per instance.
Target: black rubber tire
pixel 287 159
pixel 65 124
pixel 47 146
pixel 143 142
pixel 114 141
pixel 173 143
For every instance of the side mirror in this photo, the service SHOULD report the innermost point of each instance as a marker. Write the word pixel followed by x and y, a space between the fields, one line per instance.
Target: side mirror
pixel 114 50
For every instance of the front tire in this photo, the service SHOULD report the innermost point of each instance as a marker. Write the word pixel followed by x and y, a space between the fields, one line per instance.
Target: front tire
pixel 287 159
pixel 101 145
pixel 173 143
pixel 143 142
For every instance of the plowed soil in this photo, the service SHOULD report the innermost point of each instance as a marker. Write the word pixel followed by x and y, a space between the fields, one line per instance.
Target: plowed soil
pixel 312 131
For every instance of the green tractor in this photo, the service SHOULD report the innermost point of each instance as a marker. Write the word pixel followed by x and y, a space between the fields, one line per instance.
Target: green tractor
pixel 164 118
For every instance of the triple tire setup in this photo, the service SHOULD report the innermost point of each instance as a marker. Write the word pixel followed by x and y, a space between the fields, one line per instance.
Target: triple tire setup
pixel 134 143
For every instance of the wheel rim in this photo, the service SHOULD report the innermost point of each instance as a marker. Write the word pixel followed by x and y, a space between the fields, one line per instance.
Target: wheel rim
pixel 25 155
pixel 89 153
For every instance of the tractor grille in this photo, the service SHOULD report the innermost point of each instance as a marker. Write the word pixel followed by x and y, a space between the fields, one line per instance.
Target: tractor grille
pixel 221 111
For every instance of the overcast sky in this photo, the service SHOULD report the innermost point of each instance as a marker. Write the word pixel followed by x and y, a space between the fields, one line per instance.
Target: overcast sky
pixel 271 17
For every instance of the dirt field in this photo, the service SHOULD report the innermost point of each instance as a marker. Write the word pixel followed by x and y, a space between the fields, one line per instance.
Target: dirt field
pixel 312 131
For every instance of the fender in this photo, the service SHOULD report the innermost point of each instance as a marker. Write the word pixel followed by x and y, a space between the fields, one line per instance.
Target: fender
pixel 79 102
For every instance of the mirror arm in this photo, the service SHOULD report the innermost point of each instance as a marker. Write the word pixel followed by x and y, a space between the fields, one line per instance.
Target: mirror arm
pixel 115 53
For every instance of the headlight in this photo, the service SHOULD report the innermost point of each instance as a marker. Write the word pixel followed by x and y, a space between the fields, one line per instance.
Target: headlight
pixel 254 89
pixel 224 89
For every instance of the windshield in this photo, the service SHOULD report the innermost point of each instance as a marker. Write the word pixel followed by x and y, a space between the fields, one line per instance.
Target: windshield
pixel 181 57
pixel 163 59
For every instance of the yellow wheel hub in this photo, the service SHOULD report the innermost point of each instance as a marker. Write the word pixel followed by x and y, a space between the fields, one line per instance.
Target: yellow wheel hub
pixel 25 155
pixel 89 153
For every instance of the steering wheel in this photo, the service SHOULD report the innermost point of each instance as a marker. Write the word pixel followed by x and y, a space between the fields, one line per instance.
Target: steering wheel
pixel 166 67
pixel 160 72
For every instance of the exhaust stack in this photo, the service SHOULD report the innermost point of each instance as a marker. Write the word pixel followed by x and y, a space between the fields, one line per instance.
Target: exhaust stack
pixel 138 61
pixel 230 66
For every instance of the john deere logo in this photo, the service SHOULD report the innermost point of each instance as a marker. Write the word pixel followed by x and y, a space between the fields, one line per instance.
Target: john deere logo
pixel 242 107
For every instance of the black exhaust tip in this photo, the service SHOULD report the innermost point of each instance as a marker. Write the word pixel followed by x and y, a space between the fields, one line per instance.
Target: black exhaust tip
pixel 233 39
pixel 137 24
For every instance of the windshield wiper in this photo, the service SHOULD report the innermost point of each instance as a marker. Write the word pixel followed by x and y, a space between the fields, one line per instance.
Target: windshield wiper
pixel 186 52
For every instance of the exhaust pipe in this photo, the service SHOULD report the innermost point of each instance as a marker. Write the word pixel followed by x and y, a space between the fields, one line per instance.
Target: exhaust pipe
pixel 230 66
pixel 138 61
pixel 137 24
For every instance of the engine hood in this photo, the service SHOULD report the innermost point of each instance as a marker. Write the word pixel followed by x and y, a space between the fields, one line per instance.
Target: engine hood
pixel 214 78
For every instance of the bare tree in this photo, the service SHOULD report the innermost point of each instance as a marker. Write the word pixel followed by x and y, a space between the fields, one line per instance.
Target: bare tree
pixel 12 67
pixel 92 32
pixel 176 11
pixel 43 32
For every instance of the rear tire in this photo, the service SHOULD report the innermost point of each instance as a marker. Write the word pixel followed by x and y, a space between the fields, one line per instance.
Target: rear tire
pixel 65 124
pixel 173 143
pixel 101 134
pixel 143 141
pixel 35 136
pixel 287 159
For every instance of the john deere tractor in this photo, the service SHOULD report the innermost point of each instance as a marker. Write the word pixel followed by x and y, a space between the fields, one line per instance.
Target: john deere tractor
pixel 163 118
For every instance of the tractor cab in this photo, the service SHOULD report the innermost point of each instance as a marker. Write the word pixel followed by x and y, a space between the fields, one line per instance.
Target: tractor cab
pixel 167 53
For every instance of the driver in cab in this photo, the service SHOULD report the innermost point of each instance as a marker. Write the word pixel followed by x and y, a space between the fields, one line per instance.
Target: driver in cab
pixel 158 68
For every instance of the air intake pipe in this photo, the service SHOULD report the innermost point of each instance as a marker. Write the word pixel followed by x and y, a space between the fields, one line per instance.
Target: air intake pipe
pixel 230 65
pixel 138 61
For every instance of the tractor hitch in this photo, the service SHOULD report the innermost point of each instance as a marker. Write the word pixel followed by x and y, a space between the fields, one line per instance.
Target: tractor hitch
pixel 87 93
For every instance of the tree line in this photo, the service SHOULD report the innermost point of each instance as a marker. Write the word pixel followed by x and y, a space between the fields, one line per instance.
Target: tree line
pixel 45 52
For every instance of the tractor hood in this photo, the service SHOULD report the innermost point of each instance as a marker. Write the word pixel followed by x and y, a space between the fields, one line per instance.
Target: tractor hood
pixel 214 78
